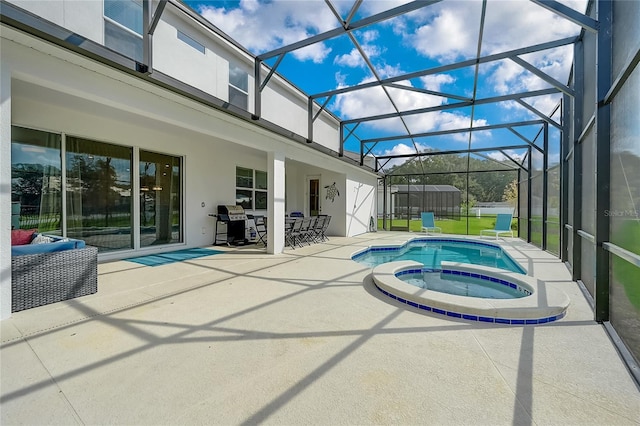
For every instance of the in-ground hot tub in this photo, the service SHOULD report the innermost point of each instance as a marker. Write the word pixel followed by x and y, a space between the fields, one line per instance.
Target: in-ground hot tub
pixel 539 303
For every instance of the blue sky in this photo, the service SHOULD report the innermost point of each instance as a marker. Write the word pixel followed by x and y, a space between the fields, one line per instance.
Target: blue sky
pixel 439 34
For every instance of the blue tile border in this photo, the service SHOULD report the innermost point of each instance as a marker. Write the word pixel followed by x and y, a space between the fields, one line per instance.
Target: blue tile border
pixel 477 318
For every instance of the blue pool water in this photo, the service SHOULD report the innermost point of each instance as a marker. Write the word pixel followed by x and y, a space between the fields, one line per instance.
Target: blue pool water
pixel 462 286
pixel 430 252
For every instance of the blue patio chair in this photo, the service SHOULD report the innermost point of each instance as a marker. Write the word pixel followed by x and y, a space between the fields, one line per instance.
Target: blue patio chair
pixel 429 223
pixel 503 226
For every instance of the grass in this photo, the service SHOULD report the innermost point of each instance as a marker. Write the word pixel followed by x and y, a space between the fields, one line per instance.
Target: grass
pixel 450 226
pixel 625 273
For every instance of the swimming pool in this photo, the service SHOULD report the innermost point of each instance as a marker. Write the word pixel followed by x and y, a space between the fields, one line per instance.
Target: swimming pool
pixel 432 251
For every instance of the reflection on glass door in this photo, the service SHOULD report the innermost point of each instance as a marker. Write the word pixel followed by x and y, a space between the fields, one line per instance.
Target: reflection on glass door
pixel 99 193
pixel 36 178
pixel 314 197
pixel 160 212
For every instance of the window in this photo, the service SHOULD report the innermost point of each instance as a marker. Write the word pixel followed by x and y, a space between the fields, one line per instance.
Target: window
pixel 36 177
pixel 238 87
pixel 123 27
pixel 251 189
pixel 190 41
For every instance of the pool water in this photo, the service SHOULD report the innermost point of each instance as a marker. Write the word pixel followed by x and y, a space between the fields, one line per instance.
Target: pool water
pixel 431 253
pixel 462 286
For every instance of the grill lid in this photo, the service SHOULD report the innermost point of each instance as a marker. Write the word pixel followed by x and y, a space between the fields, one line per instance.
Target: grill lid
pixel 231 212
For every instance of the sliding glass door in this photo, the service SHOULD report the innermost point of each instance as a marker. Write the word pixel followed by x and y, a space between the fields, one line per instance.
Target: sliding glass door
pixel 160 211
pixel 95 184
pixel 99 193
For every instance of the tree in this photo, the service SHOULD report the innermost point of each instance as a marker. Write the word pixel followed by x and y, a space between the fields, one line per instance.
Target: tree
pixel 511 193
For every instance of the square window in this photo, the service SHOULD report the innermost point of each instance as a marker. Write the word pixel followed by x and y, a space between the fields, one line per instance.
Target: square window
pixel 243 198
pixel 238 98
pixel 261 200
pixel 244 177
pixel 261 180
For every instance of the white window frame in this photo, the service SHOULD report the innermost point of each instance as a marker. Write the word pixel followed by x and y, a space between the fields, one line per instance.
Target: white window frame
pixel 253 189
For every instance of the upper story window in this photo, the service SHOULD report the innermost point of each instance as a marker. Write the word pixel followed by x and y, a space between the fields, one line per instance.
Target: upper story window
pixel 190 41
pixel 238 87
pixel 123 27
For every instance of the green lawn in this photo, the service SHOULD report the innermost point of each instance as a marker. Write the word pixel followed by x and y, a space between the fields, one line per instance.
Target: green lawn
pixel 626 274
pixel 476 224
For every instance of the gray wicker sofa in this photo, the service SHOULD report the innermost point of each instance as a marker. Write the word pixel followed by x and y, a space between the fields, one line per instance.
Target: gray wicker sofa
pixel 47 273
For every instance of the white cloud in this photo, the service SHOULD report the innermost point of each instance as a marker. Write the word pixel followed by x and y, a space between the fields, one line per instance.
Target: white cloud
pixel 261 27
pixel 352 59
pixel 498 156
pixel 436 81
pixel 402 149
pixel 449 35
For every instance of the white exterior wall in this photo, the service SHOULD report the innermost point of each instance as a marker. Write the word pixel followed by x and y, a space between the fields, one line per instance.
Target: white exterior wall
pixel 284 108
pixel 82 17
pixel 326 132
pixel 361 206
pixel 174 57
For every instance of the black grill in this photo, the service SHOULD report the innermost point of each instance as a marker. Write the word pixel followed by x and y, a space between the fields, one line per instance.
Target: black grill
pixel 230 225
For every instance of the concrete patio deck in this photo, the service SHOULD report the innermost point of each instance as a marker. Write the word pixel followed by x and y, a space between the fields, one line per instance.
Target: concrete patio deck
pixel 301 338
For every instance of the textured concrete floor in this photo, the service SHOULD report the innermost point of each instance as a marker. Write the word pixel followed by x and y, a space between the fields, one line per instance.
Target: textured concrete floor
pixel 301 338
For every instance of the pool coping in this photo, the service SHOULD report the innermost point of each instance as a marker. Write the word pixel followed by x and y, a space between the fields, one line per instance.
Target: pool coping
pixel 545 304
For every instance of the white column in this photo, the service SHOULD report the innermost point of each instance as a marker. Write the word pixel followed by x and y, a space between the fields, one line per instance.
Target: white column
pixel 275 199
pixel 5 190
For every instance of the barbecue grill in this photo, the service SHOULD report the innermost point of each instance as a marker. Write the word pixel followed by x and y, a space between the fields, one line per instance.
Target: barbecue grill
pixel 233 223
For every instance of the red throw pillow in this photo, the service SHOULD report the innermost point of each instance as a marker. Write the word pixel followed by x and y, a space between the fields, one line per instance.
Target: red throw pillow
pixel 20 237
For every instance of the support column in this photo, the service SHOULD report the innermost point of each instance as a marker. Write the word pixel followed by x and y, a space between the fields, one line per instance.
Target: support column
pixel 603 152
pixel 529 195
pixel 576 259
pixel 275 203
pixel 564 180
pixel 5 190
pixel 545 185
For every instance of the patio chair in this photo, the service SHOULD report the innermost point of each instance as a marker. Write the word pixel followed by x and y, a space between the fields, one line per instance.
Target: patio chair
pixel 325 226
pixel 309 232
pixel 317 230
pixel 292 232
pixel 503 226
pixel 429 224
pixel 261 229
pixel 304 231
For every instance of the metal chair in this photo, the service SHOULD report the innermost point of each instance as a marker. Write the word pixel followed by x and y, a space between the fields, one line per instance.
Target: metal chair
pixel 261 229
pixel 325 226
pixel 292 232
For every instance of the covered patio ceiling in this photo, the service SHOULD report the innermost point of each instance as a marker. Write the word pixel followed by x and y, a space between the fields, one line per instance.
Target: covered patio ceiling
pixel 410 79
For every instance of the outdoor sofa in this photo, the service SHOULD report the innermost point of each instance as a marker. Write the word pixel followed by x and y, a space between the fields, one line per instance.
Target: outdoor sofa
pixel 47 269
